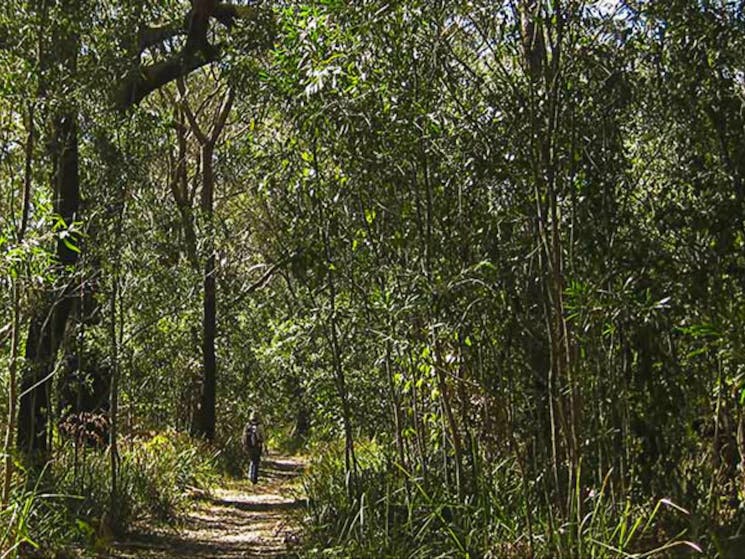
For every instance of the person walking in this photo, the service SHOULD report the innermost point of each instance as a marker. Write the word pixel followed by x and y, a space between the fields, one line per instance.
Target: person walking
pixel 253 443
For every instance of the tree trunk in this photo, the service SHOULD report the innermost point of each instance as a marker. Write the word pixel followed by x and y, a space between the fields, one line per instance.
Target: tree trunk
pixel 446 401
pixel 16 318
pixel 179 184
pixel 49 320
pixel 205 418
pixel 115 341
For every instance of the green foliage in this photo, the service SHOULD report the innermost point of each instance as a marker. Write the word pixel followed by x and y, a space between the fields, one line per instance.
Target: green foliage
pixel 505 245
pixel 389 512
pixel 32 517
pixel 70 502
pixel 156 475
pixel 159 472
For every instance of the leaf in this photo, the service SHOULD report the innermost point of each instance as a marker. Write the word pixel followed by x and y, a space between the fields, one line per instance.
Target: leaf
pixel 662 303
pixel 69 244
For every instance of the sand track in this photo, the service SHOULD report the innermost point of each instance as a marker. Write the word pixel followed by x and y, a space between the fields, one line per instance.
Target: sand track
pixel 237 520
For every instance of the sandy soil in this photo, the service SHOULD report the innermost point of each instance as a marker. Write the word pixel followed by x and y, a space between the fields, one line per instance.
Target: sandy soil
pixel 237 520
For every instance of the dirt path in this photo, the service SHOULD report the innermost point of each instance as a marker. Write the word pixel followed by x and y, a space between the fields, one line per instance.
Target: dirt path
pixel 236 520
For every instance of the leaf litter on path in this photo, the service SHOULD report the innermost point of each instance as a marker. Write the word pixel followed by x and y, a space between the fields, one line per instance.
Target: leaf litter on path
pixel 236 520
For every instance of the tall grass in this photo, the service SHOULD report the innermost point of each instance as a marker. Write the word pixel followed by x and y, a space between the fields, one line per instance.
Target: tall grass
pixel 389 511
pixel 70 503
pixel 156 474
pixel 32 516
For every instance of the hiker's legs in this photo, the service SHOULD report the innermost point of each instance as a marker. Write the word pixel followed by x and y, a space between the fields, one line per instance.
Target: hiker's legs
pixel 253 469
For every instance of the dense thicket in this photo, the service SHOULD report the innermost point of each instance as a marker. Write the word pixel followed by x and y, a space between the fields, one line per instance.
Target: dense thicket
pixel 489 256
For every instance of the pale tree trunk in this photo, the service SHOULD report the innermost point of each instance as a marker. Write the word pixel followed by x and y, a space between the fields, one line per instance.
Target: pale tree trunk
pixel 115 343
pixel 12 393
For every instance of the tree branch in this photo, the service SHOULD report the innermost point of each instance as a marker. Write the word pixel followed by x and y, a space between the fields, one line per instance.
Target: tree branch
pixel 151 36
pixel 222 114
pixel 228 13
pixel 4 334
pixel 264 279
pixel 146 79
pixel 184 102
pixel 138 85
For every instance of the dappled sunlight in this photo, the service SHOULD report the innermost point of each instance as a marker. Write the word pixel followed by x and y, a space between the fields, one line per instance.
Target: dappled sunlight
pixel 237 519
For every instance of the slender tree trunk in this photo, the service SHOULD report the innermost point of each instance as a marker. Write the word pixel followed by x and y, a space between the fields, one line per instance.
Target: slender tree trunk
pixel 205 420
pixel 16 319
pixel 392 389
pixel 205 416
pixel 350 460
pixel 114 340
pixel 395 404
pixel 446 399
pixel 114 394
pixel 12 393
pixel 324 222
pixel 545 108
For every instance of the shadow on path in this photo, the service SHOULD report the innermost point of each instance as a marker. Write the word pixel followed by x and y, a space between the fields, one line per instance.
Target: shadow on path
pixel 237 520
pixel 260 507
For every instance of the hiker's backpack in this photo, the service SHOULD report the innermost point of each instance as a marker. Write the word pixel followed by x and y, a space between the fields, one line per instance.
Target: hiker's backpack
pixel 252 439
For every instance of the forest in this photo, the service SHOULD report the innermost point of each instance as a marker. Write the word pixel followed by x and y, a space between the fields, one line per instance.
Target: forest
pixel 479 266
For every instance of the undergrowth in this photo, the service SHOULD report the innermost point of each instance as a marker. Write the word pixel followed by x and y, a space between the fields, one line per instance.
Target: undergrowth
pixel 387 511
pixel 69 502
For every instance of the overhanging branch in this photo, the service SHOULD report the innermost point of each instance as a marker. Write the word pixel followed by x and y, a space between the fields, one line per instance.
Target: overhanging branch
pixel 146 79
pixel 149 78
pixel 228 13
pixel 151 36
